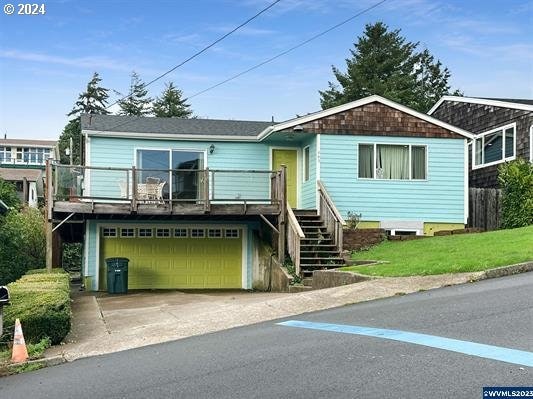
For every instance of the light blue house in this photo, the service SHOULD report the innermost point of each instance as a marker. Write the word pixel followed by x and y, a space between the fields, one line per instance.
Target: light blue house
pixel 198 203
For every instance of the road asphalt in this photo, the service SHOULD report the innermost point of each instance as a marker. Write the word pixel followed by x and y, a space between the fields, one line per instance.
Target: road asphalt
pixel 268 360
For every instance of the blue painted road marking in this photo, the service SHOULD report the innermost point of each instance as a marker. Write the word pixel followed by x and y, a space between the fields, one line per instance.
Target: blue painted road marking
pixel 469 348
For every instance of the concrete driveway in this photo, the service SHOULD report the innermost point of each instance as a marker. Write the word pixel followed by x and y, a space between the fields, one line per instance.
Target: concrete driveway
pixel 103 323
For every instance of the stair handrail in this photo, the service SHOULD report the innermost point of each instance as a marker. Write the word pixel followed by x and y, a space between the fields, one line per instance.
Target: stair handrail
pixel 295 235
pixel 330 215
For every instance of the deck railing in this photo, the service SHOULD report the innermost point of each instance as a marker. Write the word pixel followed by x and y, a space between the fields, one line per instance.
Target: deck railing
pixel 330 215
pixel 165 186
pixel 295 235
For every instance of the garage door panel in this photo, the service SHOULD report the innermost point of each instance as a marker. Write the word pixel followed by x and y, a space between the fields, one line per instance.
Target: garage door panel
pixel 177 262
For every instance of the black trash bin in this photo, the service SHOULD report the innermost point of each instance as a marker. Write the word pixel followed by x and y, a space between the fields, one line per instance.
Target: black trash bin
pixel 117 275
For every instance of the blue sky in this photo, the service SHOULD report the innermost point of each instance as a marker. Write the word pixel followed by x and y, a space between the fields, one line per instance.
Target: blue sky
pixel 46 61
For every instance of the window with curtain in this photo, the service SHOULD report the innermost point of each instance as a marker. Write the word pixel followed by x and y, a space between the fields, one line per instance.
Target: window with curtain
pixel 392 162
pixel 366 161
pixel 418 162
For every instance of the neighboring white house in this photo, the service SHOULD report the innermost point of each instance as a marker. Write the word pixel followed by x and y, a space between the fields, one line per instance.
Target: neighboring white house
pixel 22 162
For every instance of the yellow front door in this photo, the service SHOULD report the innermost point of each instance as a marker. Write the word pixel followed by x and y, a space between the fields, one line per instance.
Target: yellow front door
pixel 288 158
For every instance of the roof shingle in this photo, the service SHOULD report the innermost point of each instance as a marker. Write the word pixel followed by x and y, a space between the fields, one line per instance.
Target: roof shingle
pixel 152 125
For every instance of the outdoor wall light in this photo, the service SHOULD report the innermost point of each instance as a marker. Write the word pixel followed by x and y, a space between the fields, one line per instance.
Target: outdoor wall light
pixel 211 148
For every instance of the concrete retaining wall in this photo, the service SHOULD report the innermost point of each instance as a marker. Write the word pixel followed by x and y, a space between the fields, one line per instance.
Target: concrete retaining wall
pixel 335 278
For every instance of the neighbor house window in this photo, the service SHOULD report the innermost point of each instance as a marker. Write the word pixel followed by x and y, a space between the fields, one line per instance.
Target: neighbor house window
pixel 306 163
pixel 495 146
pixel 5 154
pixel 392 161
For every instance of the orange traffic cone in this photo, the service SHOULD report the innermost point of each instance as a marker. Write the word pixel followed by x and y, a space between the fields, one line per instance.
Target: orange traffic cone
pixel 20 353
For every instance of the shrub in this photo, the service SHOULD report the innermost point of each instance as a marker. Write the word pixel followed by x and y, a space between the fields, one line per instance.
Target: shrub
pixel 22 243
pixel 8 194
pixel 353 219
pixel 42 303
pixel 516 181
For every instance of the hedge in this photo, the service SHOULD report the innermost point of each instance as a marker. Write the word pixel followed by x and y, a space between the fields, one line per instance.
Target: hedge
pixel 42 303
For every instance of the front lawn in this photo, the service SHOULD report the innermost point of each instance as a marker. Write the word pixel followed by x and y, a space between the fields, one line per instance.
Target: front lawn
pixel 448 254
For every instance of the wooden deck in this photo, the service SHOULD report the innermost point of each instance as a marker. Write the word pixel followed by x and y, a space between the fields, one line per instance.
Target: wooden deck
pixel 126 208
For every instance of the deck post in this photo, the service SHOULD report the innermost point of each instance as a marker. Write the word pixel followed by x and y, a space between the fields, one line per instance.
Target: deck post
pixel 49 219
pixel 133 188
pixel 283 212
pixel 206 190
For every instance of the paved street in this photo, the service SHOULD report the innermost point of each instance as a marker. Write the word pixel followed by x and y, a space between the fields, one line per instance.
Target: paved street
pixel 268 360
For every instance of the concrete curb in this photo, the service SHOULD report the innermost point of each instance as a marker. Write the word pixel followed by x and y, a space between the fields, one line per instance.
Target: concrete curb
pixel 506 271
pixel 10 368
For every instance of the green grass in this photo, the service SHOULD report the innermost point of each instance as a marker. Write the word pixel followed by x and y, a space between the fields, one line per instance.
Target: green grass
pixel 448 254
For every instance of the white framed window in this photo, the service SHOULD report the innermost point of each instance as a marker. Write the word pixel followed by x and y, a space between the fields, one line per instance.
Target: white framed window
pixel 231 233
pixel 214 233
pixel 306 163
pixel 162 232
pixel 494 146
pixel 180 233
pixel 5 155
pixel 127 232
pixel 109 232
pixel 197 233
pixel 392 161
pixel 145 232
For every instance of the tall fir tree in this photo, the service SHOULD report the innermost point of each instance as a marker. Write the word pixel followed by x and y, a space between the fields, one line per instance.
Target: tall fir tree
pixel 432 81
pixel 383 62
pixel 171 104
pixel 92 101
pixel 137 102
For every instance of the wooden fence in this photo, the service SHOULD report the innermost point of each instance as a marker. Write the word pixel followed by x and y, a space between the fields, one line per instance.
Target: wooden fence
pixel 485 208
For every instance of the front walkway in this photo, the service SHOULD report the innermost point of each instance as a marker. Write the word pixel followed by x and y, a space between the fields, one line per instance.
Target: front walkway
pixel 103 324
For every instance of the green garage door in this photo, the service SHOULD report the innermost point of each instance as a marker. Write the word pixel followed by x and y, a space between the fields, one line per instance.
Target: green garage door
pixel 163 257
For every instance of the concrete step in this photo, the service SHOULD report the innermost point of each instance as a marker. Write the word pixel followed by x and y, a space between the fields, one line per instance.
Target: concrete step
pixel 321 266
pixel 299 288
pixel 308 281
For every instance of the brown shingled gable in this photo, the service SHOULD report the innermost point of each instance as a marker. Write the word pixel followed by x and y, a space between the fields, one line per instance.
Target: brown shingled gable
pixel 376 119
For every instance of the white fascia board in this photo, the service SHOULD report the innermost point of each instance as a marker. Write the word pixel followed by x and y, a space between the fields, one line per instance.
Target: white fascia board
pixel 167 136
pixel 481 101
pixel 359 103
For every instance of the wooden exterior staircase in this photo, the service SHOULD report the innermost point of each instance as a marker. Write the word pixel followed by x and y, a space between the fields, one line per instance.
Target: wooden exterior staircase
pixel 314 237
pixel 318 250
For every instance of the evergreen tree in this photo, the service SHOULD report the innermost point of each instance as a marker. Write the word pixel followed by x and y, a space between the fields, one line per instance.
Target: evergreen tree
pixel 137 102
pixel 171 104
pixel 71 130
pixel 432 81
pixel 383 62
pixel 93 100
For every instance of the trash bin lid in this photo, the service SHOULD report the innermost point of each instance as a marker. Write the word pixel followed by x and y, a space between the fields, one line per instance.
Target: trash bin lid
pixel 117 259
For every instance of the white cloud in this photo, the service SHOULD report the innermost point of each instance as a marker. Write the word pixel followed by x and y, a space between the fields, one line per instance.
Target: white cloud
pixel 87 62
